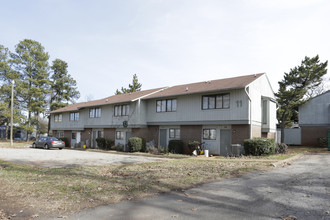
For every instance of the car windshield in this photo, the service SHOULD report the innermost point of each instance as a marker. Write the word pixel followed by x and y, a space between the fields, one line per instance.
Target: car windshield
pixel 53 139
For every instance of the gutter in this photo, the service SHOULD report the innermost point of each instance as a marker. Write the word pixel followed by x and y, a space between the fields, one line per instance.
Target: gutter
pixel 250 116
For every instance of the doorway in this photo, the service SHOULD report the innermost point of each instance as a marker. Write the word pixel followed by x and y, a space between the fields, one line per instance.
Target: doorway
pixel 225 142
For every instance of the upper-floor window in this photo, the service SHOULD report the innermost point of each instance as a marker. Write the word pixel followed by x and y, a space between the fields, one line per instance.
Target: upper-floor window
pixel 121 110
pixel 95 112
pixel 174 133
pixel 264 111
pixel 166 105
pixel 216 101
pixel 209 134
pixel 58 118
pixel 74 116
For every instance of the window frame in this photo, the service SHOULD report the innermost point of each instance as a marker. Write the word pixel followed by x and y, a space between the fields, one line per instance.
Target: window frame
pixel 95 112
pixel 210 102
pixel 74 116
pixel 121 110
pixel 166 105
pixel 176 133
pixel 58 118
pixel 209 136
pixel 120 135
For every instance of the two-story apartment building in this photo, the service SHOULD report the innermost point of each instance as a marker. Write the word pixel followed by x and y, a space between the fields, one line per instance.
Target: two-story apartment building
pixel 217 113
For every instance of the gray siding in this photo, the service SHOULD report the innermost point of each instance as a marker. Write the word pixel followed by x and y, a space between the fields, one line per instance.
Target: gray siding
pixel 316 111
pixel 189 109
pixel 136 118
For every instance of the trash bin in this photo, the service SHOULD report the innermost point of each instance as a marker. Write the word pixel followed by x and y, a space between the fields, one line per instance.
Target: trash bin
pixel 206 153
pixel 235 150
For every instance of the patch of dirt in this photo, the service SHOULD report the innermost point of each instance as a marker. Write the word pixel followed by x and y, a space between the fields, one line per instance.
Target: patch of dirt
pixel 13 209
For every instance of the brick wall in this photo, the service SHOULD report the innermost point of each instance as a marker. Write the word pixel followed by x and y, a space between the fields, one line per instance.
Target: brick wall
pixel 67 134
pixel 153 134
pixel 109 133
pixel 141 132
pixel 240 133
pixel 86 135
pixel 310 135
pixel 191 133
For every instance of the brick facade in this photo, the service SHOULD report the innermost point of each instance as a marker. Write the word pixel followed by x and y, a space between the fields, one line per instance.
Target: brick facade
pixel 311 134
pixel 240 133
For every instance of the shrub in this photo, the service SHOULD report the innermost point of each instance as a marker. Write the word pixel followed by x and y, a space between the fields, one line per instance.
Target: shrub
pixel 108 144
pixel 119 147
pixel 135 144
pixel 175 146
pixel 101 143
pixel 193 145
pixel 281 148
pixel 259 146
pixel 66 141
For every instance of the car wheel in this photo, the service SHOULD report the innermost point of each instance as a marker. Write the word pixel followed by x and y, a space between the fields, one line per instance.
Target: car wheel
pixel 60 148
pixel 46 146
pixel 34 145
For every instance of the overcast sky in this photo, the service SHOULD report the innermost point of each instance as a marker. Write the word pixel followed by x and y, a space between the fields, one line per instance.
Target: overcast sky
pixel 169 42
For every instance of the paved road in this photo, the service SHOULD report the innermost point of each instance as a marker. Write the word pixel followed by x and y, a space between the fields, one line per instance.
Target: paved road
pixel 55 158
pixel 301 190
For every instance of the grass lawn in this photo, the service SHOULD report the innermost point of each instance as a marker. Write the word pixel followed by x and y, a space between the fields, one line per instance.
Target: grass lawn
pixel 60 191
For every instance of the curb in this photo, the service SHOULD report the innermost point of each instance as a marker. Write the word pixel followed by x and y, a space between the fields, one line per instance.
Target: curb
pixel 287 161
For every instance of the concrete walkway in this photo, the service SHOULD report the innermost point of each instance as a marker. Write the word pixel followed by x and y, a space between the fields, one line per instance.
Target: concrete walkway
pixel 301 190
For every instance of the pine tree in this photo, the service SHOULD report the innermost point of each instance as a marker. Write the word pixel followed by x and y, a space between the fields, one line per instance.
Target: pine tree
pixel 134 87
pixel 31 62
pixel 63 86
pixel 7 75
pixel 296 87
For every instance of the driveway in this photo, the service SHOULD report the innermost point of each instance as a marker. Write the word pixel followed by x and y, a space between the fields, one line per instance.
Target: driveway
pixel 300 191
pixel 55 158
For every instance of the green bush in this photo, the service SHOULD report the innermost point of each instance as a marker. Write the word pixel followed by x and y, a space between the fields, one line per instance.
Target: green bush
pixel 193 145
pixel 101 143
pixel 119 147
pixel 175 146
pixel 144 145
pixel 259 146
pixel 281 148
pixel 66 141
pixel 109 143
pixel 135 144
pixel 104 144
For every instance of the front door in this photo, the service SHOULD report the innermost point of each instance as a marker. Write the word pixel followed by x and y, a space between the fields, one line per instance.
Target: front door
pixel 163 138
pixel 225 142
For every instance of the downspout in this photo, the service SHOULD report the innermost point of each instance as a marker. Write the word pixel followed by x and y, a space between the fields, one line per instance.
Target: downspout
pixel 250 112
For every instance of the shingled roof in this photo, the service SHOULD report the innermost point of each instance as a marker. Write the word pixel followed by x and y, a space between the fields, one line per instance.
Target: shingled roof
pixel 207 86
pixel 192 88
pixel 121 98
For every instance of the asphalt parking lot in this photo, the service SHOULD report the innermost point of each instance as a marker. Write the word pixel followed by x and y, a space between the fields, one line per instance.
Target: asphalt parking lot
pixel 55 158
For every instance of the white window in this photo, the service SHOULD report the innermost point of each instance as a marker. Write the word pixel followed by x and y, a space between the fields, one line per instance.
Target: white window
pixel 58 118
pixel 95 112
pixel 74 116
pixel 174 133
pixel 166 105
pixel 121 110
pixel 216 101
pixel 120 135
pixel 209 134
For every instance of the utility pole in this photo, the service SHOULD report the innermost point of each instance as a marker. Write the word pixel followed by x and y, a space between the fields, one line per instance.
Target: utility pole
pixel 12 113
